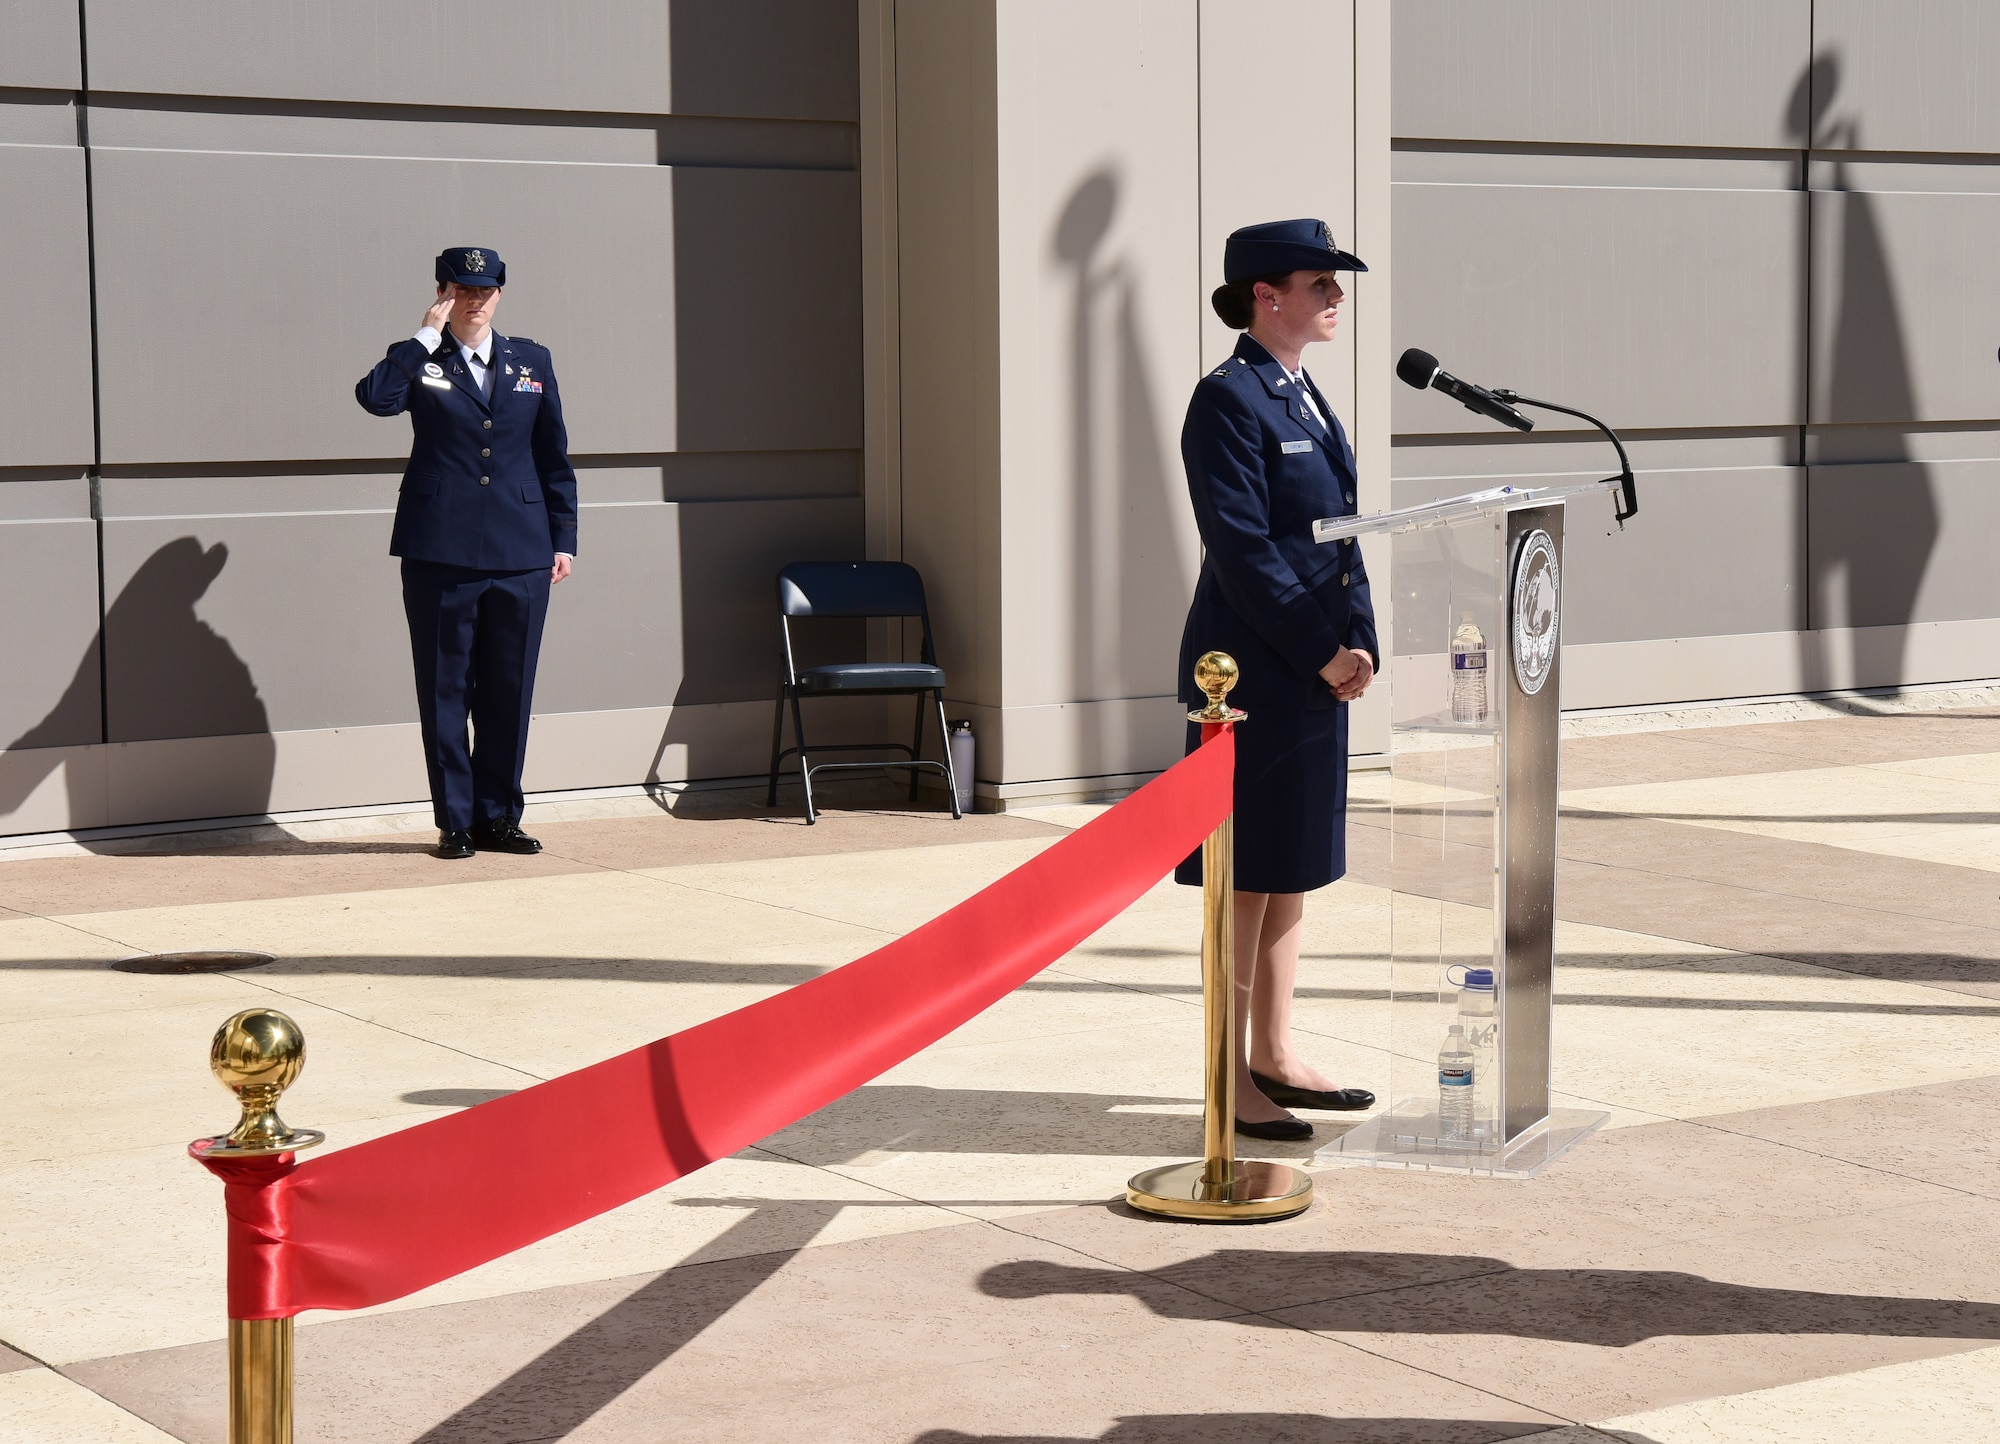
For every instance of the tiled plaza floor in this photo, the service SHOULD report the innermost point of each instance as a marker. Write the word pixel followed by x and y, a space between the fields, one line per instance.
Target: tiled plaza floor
pixel 1779 972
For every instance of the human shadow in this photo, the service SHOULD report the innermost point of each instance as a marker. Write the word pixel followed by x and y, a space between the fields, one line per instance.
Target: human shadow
pixel 1871 518
pixel 1400 1293
pixel 165 673
pixel 1226 1427
pixel 1130 577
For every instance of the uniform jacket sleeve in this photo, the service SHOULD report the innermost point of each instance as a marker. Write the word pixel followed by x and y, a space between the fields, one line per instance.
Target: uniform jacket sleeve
pixel 558 477
pixel 386 390
pixel 1232 507
pixel 1361 621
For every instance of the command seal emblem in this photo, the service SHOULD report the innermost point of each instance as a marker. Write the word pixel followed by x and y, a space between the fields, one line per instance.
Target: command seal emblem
pixel 1537 610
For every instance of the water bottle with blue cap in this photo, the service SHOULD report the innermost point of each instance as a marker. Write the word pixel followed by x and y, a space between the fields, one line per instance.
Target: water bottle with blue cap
pixel 1479 1021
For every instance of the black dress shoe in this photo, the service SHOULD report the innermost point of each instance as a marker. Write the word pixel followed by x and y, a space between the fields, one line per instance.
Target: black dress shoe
pixel 1286 1095
pixel 503 837
pixel 1278 1130
pixel 453 845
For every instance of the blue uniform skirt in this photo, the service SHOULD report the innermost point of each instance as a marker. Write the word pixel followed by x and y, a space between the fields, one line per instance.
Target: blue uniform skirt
pixel 1291 800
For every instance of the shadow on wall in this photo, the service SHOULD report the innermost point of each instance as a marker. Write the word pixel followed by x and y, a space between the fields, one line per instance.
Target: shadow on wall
pixel 1290 1428
pixel 1129 581
pixel 170 675
pixel 1866 547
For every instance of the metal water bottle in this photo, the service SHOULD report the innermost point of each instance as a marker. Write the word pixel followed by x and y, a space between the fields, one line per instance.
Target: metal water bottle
pixel 962 752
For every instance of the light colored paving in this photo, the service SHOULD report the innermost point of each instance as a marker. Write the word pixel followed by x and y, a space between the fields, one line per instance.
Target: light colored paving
pixel 1935 809
pixel 1935 1400
pixel 417 1000
pixel 41 1407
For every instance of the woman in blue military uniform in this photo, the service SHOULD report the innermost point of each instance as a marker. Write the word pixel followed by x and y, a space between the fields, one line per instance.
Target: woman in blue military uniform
pixel 1265 458
pixel 485 525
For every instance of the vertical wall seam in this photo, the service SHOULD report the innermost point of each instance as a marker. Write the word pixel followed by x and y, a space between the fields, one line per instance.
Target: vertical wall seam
pixel 1806 339
pixel 96 477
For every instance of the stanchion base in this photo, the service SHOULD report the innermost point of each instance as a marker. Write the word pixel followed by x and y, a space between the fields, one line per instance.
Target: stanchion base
pixel 1262 1191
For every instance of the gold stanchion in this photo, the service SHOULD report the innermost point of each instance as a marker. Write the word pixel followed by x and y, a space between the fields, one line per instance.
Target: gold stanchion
pixel 257 1055
pixel 1219 1189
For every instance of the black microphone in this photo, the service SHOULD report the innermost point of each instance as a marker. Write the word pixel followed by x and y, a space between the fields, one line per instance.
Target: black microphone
pixel 1421 370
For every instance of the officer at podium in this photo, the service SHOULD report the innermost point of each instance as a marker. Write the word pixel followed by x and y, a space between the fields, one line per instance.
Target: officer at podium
pixel 485 525
pixel 1266 457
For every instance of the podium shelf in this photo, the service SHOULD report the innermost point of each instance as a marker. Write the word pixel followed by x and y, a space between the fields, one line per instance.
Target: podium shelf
pixel 1453 509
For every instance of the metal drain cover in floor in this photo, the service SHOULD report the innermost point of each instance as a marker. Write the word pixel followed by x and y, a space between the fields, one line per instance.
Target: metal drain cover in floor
pixel 212 961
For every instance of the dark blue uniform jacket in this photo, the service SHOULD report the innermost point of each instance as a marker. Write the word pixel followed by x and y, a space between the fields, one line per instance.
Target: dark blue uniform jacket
pixel 1261 473
pixel 489 484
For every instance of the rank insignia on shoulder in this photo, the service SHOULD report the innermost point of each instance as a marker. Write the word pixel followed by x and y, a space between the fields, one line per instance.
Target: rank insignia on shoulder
pixel 1220 371
pixel 431 368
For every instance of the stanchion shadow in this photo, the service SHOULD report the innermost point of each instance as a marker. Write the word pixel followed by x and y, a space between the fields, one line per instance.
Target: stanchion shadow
pixel 902 1118
pixel 1391 1293
pixel 1278 1429
pixel 561 1388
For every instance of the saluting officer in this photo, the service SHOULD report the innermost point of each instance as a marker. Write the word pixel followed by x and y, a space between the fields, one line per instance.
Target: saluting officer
pixel 485 524
pixel 1265 458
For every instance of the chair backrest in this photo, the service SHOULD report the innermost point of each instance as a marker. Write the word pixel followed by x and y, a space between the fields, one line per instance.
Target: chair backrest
pixel 851 589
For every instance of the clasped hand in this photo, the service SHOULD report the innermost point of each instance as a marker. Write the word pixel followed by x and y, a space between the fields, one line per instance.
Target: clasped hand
pixel 1349 673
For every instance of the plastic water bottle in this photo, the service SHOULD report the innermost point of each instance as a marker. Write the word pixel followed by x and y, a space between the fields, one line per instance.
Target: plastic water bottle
pixel 1480 1019
pixel 961 744
pixel 1468 673
pixel 1455 1087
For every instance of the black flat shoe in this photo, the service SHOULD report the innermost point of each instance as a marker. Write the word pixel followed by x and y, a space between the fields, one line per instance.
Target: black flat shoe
pixel 1278 1130
pixel 1286 1095
pixel 503 837
pixel 453 846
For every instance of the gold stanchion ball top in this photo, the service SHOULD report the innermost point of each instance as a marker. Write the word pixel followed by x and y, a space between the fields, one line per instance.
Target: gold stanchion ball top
pixel 1215 674
pixel 258 1048
pixel 257 1055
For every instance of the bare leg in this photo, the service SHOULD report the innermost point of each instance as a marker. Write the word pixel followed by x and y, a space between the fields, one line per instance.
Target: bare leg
pixel 1269 996
pixel 1251 911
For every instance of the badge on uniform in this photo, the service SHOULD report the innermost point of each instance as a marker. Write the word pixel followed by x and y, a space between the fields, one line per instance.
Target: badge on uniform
pixel 1294 448
pixel 527 384
pixel 434 376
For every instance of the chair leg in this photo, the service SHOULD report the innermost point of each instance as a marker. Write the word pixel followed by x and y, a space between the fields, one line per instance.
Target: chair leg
pixel 777 740
pixel 805 767
pixel 917 746
pixel 950 767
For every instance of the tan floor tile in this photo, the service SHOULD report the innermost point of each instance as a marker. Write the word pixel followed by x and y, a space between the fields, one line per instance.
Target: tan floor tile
pixel 40 1407
pixel 1951 1398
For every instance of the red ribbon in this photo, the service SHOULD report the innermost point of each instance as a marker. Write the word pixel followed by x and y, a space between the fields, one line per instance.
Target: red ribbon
pixel 388 1217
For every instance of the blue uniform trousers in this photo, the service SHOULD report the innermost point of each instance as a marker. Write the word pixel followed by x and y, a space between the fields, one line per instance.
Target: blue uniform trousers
pixel 474 637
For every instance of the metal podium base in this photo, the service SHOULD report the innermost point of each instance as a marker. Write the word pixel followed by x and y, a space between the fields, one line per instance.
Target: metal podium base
pixel 1262 1191
pixel 1406 1136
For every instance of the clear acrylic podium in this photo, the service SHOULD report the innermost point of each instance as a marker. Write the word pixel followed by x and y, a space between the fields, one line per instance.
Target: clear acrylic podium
pixel 1472 823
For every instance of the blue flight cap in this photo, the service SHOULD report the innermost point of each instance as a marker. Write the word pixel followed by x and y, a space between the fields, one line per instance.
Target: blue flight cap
pixel 471 266
pixel 1281 247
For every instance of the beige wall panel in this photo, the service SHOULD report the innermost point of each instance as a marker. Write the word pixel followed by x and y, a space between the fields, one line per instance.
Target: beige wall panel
pixel 1907 74
pixel 1099 193
pixel 1650 308
pixel 788 58
pixel 48 573
pixel 197 298
pixel 1631 72
pixel 225 625
pixel 1908 542
pixel 949 336
pixel 1905 315
pixel 1701 669
pixel 45 402
pixel 40 49
pixel 1277 141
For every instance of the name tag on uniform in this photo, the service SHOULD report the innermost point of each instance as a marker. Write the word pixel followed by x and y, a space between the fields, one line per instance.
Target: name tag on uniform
pixel 1293 448
pixel 437 381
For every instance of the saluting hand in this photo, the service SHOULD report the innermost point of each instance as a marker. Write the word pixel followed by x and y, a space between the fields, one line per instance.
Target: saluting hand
pixel 439 313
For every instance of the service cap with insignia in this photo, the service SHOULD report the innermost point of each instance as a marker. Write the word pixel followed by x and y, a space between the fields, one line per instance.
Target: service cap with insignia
pixel 471 266
pixel 1279 246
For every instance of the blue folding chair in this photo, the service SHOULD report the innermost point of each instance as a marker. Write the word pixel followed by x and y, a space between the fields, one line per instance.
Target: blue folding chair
pixel 856 590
